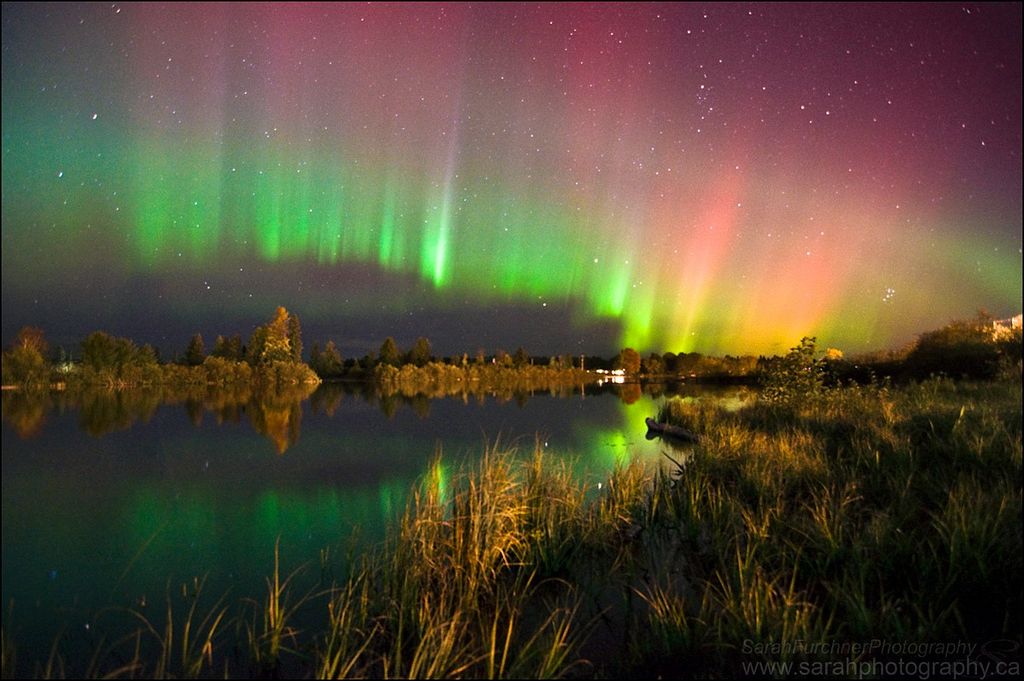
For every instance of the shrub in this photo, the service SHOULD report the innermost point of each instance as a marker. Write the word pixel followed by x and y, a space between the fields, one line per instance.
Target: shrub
pixel 224 371
pixel 24 366
pixel 796 377
pixel 962 348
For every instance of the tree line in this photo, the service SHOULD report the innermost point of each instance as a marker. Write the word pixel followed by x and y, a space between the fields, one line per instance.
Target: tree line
pixel 328 361
pixel 273 354
pixel 969 348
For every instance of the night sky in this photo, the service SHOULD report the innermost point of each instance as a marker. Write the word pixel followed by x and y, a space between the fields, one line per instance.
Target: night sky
pixel 569 178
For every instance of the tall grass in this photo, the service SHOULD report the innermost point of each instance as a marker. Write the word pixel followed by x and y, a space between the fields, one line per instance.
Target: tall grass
pixel 470 582
pixel 864 513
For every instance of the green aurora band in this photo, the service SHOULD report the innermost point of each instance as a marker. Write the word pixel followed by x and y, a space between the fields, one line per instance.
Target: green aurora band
pixel 451 157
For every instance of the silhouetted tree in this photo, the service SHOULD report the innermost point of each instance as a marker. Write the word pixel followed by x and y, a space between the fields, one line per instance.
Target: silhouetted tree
pixel 669 360
pixel 220 347
pixel 195 353
pixel 628 360
pixel 689 362
pixel 148 355
pixel 295 336
pixel 520 359
pixel 963 347
pixel 420 353
pixel 257 343
pixel 25 362
pixel 389 353
pixel 653 365
pixel 234 349
pixel 99 350
pixel 327 363
pixel 228 348
pixel 331 359
pixel 102 351
pixel 314 357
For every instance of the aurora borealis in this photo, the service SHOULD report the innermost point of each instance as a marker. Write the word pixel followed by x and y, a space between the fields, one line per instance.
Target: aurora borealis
pixel 570 178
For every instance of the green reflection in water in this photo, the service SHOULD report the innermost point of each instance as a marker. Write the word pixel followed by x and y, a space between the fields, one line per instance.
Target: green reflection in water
pixel 231 540
pixel 172 502
pixel 277 413
pixel 391 497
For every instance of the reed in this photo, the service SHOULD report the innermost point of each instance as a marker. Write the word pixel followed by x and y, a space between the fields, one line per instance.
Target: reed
pixel 865 512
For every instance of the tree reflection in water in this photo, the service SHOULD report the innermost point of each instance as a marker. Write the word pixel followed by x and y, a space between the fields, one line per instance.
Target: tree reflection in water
pixel 277 413
pixel 26 411
pixel 274 411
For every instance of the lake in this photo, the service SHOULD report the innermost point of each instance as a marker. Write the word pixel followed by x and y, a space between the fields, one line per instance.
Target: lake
pixel 117 498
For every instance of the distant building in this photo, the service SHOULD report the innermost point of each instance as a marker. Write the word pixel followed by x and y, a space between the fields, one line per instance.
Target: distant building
pixel 617 376
pixel 1003 328
pixel 66 367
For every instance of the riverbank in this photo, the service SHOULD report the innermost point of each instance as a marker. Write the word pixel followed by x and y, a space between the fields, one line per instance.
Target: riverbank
pixel 436 379
pixel 790 534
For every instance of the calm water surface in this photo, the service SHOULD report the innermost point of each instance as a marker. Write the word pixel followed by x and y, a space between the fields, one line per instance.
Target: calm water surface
pixel 114 499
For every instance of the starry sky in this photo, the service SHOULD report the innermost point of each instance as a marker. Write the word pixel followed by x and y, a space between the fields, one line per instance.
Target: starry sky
pixel 723 178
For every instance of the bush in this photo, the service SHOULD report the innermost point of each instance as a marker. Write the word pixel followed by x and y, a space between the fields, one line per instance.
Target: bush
pixel 962 348
pixel 285 373
pixel 222 371
pixel 796 377
pixel 25 366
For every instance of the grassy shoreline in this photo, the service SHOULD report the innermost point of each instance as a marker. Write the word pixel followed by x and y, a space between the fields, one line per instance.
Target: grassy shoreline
pixel 866 513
